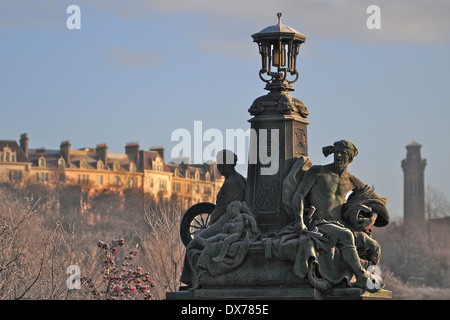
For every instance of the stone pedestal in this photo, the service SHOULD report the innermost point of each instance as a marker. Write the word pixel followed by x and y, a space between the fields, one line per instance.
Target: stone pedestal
pixel 279 133
pixel 277 293
pixel 262 276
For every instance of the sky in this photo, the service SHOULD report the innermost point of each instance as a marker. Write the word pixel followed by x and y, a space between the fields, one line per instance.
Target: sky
pixel 136 71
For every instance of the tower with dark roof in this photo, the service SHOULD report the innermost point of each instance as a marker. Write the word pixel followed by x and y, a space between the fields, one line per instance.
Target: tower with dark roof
pixel 414 185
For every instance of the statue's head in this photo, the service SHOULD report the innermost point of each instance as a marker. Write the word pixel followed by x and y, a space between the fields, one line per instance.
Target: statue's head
pixel 234 208
pixel 344 151
pixel 226 161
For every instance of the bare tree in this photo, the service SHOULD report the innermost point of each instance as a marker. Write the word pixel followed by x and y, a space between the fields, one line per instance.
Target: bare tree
pixel 436 203
pixel 163 248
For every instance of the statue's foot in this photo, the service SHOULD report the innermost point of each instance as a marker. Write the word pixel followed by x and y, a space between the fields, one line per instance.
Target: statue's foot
pixel 197 281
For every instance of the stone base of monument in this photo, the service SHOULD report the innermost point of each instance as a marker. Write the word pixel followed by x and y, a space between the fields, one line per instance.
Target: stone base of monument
pixel 261 276
pixel 277 293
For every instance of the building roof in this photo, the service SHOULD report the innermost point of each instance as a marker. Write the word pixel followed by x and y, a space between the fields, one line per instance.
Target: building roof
pixel 414 144
pixel 144 160
pixel 21 157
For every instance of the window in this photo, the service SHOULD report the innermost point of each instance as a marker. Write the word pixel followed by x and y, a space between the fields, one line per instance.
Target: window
pixel 415 189
pixel 42 176
pixel 100 165
pixel 197 175
pixel 61 163
pixel 83 164
pixel 187 188
pixel 100 180
pixel 15 175
pixel 162 185
pixel 83 178
pixel 176 187
pixel 151 182
pixel 116 166
pixel 158 166
pixel 41 162
pixel 116 180
pixel 8 155
pixel 132 167
pixel 131 181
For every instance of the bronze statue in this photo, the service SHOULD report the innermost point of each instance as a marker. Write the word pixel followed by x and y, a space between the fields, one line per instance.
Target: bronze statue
pixel 233 189
pixel 301 230
pixel 325 189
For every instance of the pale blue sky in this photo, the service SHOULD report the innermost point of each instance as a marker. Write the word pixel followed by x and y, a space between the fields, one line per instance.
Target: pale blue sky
pixel 138 70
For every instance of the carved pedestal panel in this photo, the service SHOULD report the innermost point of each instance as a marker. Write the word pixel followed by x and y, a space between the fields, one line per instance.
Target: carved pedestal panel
pixel 279 137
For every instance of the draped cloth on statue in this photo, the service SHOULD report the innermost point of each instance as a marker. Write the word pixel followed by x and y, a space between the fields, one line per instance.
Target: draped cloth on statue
pixel 306 251
pixel 235 256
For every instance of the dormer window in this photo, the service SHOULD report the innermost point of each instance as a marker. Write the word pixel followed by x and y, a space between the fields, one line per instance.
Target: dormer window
pixel 42 162
pixel 61 163
pixel 132 167
pixel 83 164
pixel 8 155
pixel 116 166
pixel 100 165
pixel 197 175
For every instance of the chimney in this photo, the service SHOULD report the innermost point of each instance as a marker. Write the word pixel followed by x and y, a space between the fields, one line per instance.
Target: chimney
pixel 24 143
pixel 102 153
pixel 160 150
pixel 65 151
pixel 132 150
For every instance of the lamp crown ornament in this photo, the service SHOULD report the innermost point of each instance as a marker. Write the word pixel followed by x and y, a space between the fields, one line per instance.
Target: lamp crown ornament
pixel 279 15
pixel 279 46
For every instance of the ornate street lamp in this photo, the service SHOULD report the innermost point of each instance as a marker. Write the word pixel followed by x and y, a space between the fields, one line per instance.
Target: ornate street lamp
pixel 282 117
pixel 279 46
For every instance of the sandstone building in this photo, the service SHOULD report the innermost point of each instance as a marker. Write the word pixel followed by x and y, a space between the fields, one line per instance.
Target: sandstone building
pixel 96 169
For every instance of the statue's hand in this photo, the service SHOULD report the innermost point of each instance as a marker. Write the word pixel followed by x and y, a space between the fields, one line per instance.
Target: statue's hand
pixel 299 227
pixel 365 218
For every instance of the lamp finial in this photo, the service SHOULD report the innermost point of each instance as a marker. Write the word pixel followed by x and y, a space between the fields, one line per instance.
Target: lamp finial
pixel 279 15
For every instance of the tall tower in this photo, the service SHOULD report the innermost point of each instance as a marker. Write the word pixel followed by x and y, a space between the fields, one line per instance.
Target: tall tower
pixel 414 185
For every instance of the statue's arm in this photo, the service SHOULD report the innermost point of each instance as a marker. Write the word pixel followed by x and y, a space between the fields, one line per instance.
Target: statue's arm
pixel 364 217
pixel 357 184
pixel 298 200
pixel 223 200
pixel 252 221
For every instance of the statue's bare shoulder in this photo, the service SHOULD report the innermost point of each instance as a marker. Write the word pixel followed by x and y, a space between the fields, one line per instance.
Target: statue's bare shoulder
pixel 358 184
